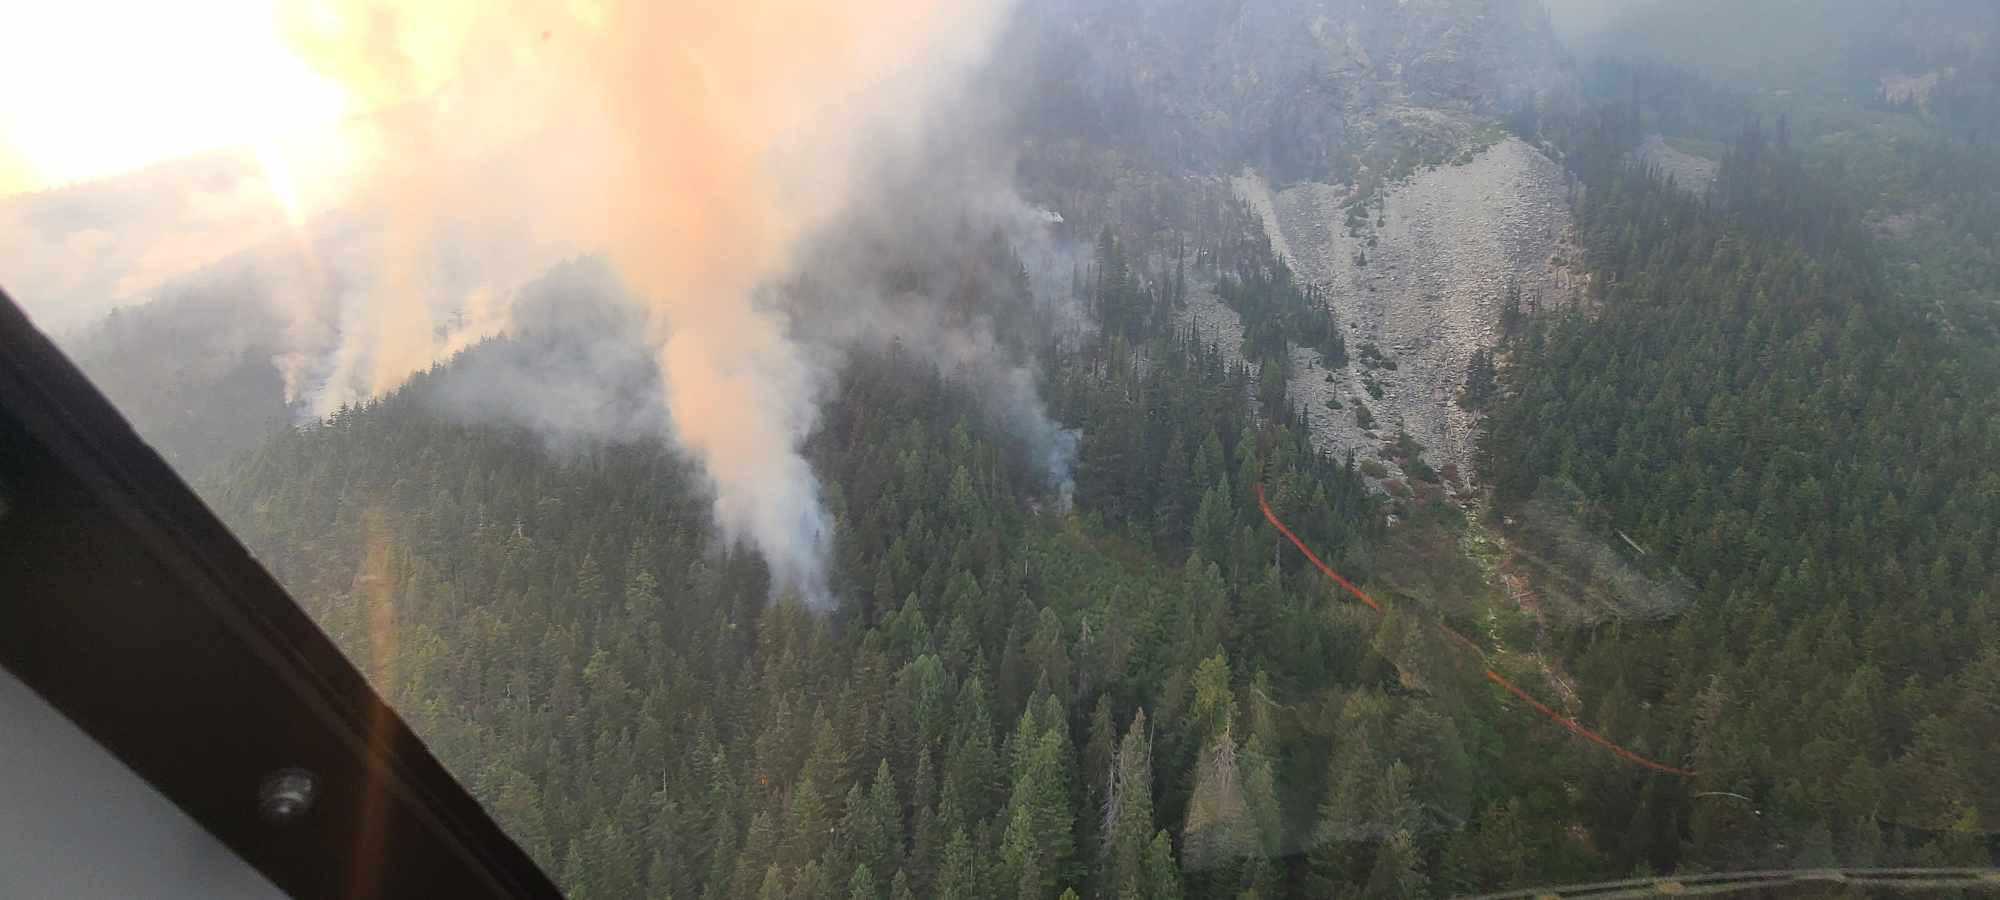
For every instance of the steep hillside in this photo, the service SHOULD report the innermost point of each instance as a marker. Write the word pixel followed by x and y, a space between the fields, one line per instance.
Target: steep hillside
pixel 1749 403
pixel 1688 171
pixel 1300 89
pixel 1336 113
pixel 612 677
pixel 194 374
pixel 1830 46
pixel 1422 277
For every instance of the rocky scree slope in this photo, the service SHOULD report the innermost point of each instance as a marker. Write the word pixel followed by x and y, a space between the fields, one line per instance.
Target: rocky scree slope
pixel 1423 284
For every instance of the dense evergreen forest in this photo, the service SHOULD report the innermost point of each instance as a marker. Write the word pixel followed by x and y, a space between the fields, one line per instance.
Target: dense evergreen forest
pixel 1141 691
pixel 1751 397
pixel 185 369
pixel 1010 697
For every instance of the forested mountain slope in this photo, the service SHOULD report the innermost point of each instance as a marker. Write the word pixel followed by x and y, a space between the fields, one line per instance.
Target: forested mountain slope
pixel 1137 688
pixel 193 372
pixel 1751 401
pixel 566 632
pixel 1301 89
pixel 1130 698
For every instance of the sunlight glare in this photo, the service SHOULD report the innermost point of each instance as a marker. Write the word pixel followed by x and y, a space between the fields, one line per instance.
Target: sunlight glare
pixel 93 88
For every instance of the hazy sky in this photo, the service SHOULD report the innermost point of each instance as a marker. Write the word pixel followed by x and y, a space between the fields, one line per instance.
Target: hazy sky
pixel 67 255
pixel 1578 20
pixel 142 141
pixel 90 88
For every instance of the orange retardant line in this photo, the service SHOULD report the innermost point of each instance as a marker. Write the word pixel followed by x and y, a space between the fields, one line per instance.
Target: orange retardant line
pixel 1463 641
pixel 1581 731
pixel 1323 567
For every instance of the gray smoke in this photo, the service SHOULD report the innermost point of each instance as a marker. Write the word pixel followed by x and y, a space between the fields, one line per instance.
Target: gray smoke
pixel 948 262
pixel 818 195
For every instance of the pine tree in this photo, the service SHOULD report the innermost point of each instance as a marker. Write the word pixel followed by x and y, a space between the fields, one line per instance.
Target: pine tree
pixel 1162 876
pixel 861 886
pixel 758 855
pixel 1039 834
pixel 1218 832
pixel 960 876
pixel 814 884
pixel 1129 809
pixel 808 826
pixel 927 831
pixel 1100 755
pixel 772 887
pixel 872 826
pixel 1481 382
pixel 1048 657
pixel 1398 869
pixel 1211 524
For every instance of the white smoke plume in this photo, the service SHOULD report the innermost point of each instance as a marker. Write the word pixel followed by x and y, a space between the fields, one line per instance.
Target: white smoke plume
pixel 696 144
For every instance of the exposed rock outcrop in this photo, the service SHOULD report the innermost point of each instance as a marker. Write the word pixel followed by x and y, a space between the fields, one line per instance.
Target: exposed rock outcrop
pixel 1425 288
pixel 1691 172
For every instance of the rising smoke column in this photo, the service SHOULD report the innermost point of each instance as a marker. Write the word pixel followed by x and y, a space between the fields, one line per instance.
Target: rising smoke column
pixel 715 137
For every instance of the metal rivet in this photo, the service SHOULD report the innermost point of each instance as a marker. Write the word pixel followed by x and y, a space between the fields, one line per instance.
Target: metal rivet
pixel 286 796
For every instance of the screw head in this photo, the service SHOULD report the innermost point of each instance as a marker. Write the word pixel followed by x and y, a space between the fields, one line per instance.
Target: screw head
pixel 286 796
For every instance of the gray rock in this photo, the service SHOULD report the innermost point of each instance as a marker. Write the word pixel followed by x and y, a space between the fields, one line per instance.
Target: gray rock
pixel 1432 290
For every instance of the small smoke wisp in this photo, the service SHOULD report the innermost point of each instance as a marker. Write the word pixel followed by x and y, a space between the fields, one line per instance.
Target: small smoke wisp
pixel 947 262
pixel 696 144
